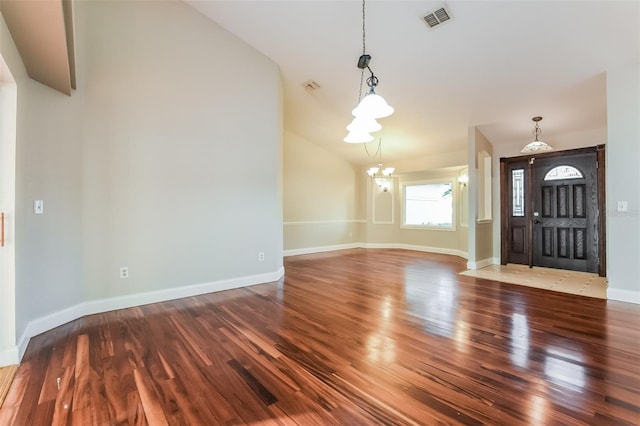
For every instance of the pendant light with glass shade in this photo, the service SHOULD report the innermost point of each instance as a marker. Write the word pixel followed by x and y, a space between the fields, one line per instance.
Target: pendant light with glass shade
pixel 366 124
pixel 358 136
pixel 536 146
pixel 372 106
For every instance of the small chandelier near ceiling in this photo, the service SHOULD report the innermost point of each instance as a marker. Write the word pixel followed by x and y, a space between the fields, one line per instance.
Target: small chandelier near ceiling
pixel 536 146
pixel 370 107
pixel 381 175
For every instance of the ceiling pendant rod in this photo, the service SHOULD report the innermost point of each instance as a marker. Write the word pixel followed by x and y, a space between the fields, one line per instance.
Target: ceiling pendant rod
pixel 536 146
pixel 371 106
pixel 364 38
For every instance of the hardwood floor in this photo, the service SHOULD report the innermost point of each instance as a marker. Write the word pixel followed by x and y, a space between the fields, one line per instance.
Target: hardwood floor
pixel 354 337
pixel 6 378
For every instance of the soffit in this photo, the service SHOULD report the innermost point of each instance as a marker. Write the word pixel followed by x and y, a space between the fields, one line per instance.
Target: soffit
pixel 44 41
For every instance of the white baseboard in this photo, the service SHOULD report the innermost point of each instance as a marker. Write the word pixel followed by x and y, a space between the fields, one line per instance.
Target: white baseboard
pixel 483 263
pixel 324 222
pixel 321 249
pixel 623 295
pixel 55 319
pixel 9 357
pixel 427 249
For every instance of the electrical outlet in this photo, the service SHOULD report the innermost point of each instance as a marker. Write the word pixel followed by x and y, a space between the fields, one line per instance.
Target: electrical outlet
pixel 261 256
pixel 124 272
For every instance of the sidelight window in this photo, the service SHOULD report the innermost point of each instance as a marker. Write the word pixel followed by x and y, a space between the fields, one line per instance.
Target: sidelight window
pixel 517 185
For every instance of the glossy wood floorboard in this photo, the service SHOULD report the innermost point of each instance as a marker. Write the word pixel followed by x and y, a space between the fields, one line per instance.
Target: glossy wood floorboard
pixel 355 337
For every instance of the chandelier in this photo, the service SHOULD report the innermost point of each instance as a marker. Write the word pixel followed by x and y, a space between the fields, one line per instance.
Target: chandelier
pixel 380 175
pixel 372 106
pixel 536 146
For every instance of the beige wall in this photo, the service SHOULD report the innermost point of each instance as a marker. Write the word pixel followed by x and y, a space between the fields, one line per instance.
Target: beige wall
pixel 318 185
pixel 623 183
pixel 165 160
pixel 328 204
pixel 184 140
pixel 480 247
pixel 432 162
pixel 381 234
pixel 321 198
pixel 48 254
pixel 484 227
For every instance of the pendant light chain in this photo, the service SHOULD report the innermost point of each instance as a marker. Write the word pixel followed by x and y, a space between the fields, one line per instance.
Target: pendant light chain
pixel 363 30
pixel 361 81
pixel 378 151
pixel 363 52
pixel 537 131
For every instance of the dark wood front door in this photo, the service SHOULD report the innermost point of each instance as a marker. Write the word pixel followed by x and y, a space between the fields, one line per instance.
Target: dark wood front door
pixel 551 207
pixel 565 211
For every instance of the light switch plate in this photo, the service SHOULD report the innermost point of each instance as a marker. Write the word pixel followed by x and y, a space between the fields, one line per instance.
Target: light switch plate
pixel 38 206
pixel 623 206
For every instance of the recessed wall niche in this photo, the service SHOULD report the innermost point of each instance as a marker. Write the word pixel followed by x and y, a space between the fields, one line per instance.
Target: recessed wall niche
pixel 484 186
pixel 382 203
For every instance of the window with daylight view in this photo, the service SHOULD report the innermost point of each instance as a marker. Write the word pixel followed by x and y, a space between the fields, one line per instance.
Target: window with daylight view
pixel 428 205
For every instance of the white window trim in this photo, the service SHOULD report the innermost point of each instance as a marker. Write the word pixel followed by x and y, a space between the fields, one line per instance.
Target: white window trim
pixel 454 193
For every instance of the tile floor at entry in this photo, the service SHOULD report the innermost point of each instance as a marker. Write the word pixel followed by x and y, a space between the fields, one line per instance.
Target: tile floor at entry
pixel 572 282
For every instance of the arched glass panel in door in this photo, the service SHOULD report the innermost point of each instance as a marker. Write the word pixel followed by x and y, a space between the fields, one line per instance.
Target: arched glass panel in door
pixel 563 172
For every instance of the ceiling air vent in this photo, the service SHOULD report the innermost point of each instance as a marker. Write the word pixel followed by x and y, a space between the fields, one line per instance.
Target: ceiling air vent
pixel 437 17
pixel 311 85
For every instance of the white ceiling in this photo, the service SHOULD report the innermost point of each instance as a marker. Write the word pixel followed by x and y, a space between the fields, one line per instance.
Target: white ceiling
pixel 495 65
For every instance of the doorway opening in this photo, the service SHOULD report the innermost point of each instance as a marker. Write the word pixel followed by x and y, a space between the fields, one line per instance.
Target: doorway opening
pixel 8 114
pixel 552 209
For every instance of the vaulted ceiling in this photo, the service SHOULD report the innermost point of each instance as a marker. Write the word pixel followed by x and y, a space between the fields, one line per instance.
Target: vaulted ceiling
pixel 495 65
